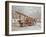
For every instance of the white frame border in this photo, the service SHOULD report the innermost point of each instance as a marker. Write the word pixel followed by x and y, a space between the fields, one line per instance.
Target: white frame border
pixel 24 32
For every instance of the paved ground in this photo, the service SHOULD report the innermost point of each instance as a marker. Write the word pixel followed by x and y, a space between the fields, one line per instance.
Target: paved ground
pixel 33 27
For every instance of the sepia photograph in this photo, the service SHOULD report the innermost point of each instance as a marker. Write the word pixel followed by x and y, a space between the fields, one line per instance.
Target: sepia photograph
pixel 25 18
